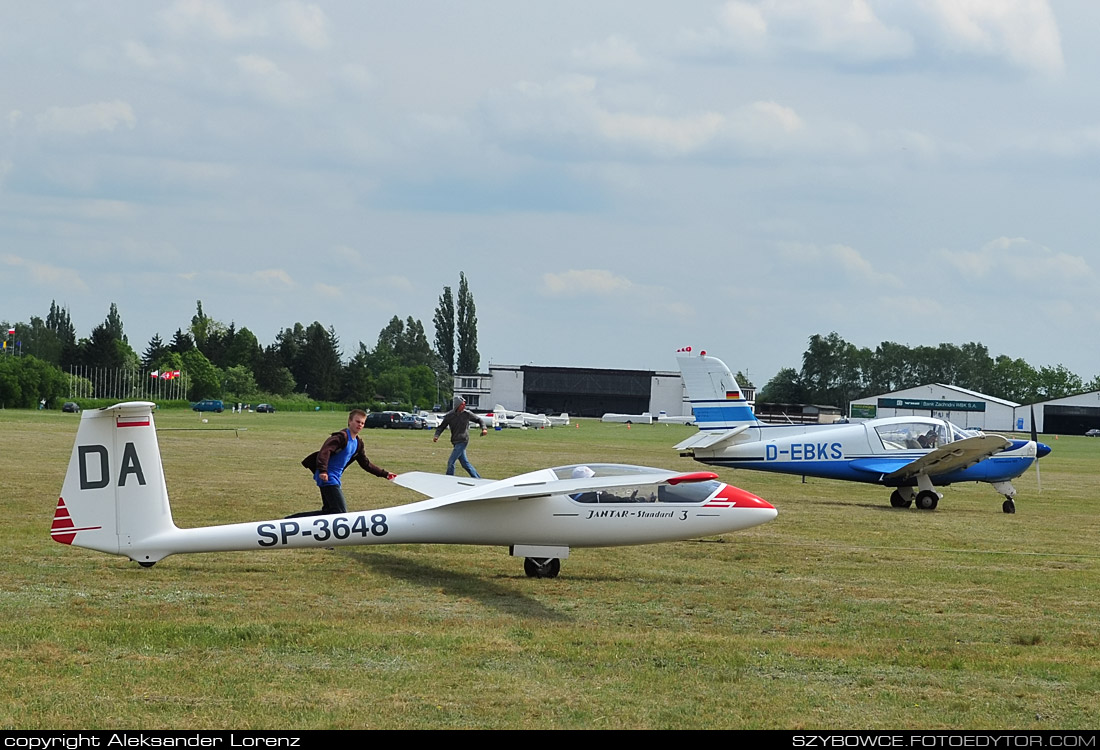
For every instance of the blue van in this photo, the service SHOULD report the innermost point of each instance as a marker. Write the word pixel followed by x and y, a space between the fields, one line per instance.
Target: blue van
pixel 209 404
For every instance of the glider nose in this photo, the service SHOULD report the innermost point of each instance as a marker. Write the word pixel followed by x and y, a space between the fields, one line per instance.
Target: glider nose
pixel 1041 449
pixel 735 497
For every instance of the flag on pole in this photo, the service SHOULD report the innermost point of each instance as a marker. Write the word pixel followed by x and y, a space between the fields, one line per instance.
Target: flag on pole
pixel 11 331
pixel 155 374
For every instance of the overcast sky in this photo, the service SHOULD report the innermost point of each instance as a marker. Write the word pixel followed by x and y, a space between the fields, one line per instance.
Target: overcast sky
pixel 617 179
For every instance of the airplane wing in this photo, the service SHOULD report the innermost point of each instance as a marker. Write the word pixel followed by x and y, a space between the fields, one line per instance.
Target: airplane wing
pixel 435 485
pixel 539 484
pixel 957 455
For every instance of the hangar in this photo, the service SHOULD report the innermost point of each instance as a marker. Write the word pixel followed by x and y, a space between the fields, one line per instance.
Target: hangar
pixel 1069 415
pixel 579 391
pixel 965 408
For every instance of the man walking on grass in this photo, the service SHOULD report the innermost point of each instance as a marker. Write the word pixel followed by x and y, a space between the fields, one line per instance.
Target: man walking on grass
pixel 458 420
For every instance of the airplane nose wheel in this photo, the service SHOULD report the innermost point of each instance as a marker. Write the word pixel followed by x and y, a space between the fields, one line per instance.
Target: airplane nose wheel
pixel 899 500
pixel 1008 506
pixel 541 567
pixel 927 500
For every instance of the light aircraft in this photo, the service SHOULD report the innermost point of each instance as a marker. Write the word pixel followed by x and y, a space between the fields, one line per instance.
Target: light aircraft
pixel 115 500
pixel 914 455
pixel 509 418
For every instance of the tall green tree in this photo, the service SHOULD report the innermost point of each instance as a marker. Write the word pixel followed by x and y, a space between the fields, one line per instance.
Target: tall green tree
pixel 59 321
pixel 154 352
pixel 444 322
pixel 107 346
pixel 320 364
pixel 469 361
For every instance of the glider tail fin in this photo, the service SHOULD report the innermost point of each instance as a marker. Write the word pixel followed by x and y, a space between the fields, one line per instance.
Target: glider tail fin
pixel 716 399
pixel 114 497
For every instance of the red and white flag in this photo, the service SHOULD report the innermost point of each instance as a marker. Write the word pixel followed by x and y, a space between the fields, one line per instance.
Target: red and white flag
pixel 155 374
pixel 11 331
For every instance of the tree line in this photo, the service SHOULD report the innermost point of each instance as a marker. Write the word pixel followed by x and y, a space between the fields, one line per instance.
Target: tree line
pixel 835 372
pixel 223 361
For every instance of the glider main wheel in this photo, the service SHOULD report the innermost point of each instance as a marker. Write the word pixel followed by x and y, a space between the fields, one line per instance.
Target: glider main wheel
pixel 927 500
pixel 898 500
pixel 1008 506
pixel 546 567
pixel 151 564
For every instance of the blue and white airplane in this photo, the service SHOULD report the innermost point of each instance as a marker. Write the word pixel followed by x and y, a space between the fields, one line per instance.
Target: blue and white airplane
pixel 914 455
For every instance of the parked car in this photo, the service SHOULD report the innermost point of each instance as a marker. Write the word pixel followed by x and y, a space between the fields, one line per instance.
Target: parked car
pixel 411 422
pixel 1093 433
pixel 209 404
pixel 71 406
pixel 265 409
pixel 384 419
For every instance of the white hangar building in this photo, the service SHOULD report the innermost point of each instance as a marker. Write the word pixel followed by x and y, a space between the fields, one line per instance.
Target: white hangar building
pixel 965 408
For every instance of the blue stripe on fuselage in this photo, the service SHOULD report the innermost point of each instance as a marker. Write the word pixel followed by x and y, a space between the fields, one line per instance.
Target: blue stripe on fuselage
pixel 994 469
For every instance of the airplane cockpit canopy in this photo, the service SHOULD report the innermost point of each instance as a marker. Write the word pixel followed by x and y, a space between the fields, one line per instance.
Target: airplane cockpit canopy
pixel 920 434
pixel 684 492
pixel 916 434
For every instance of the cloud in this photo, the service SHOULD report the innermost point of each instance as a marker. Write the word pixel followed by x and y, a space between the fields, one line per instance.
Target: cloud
pixel 87 118
pixel 274 277
pixel 834 264
pixel 582 282
pixel 43 274
pixel 265 79
pixel 301 23
pixel 613 53
pixel 1022 34
pixel 1022 261
pixel 567 116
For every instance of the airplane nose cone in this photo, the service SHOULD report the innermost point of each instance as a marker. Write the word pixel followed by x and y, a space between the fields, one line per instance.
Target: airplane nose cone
pixel 735 497
pixel 1041 449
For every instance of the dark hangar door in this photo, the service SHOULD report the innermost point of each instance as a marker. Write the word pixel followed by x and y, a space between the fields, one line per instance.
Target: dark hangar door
pixel 586 393
pixel 1070 420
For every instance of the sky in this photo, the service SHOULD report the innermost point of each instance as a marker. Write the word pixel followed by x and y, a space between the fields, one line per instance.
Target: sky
pixel 616 179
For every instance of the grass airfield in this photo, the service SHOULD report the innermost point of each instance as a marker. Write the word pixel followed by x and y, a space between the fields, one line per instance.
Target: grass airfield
pixel 842 613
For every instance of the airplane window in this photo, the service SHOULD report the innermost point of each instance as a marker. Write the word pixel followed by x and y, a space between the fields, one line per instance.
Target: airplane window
pixel 689 492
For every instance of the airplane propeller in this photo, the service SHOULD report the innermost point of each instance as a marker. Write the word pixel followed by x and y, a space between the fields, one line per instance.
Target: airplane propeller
pixel 1035 439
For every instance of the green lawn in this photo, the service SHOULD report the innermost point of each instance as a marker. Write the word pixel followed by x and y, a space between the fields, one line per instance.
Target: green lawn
pixel 842 613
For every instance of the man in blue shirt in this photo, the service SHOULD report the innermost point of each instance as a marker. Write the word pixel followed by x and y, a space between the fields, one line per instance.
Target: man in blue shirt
pixel 337 453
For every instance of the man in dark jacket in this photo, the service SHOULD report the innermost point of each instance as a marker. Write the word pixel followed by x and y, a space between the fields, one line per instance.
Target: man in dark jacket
pixel 337 453
pixel 458 419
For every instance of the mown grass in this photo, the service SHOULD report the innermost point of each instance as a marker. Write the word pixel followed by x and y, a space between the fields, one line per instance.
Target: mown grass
pixel 842 613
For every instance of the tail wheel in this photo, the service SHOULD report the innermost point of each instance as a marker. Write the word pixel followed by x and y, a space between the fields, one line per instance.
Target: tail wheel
pixel 544 567
pixel 1008 506
pixel 898 500
pixel 927 500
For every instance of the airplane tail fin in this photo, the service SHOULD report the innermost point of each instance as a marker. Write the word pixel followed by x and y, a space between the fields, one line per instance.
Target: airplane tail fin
pixel 114 497
pixel 716 399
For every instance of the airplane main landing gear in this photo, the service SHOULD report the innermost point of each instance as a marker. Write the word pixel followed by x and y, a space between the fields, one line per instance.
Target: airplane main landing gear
pixel 899 500
pixel 1008 506
pixel 541 567
pixel 927 500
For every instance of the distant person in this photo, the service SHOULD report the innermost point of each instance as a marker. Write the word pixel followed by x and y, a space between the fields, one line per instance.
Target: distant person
pixel 458 420
pixel 328 464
